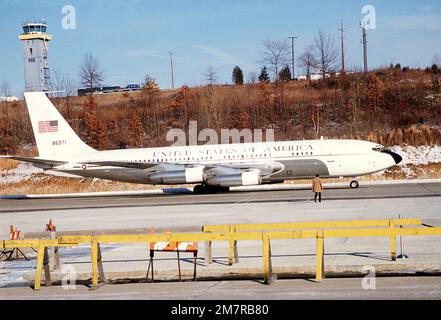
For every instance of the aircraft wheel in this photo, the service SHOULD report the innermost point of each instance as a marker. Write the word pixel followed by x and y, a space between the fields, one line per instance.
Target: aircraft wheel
pixel 198 189
pixel 354 184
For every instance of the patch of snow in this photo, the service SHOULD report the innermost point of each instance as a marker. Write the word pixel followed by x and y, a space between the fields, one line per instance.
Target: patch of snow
pixel 12 272
pixel 22 172
pixel 418 155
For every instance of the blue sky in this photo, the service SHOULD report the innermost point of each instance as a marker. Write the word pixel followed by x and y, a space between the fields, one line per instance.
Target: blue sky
pixel 132 38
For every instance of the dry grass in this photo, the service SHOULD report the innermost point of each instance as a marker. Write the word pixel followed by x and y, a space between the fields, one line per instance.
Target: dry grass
pixel 424 135
pixel 423 171
pixel 8 164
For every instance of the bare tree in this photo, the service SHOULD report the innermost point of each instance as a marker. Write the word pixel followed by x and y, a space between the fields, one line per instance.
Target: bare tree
pixel 315 117
pixel 65 87
pixel 437 60
pixel 69 89
pixel 252 77
pixel 276 55
pixel 68 86
pixel 90 73
pixel 5 89
pixel 354 68
pixel 307 61
pixel 211 75
pixel 326 53
pixel 6 92
pixel 56 83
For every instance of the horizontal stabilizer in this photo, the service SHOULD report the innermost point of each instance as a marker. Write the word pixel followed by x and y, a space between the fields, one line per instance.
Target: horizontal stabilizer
pixel 50 163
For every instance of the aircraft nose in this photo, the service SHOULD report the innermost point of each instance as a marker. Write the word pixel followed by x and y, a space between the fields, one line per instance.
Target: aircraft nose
pixel 397 158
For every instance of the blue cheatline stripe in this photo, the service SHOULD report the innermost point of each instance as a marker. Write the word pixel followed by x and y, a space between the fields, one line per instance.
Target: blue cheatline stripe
pixel 15 197
pixel 177 190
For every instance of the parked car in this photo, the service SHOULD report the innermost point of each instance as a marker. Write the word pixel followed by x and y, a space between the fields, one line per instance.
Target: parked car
pixel 133 86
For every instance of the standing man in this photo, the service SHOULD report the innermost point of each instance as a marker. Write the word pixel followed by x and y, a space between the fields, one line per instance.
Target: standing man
pixel 317 188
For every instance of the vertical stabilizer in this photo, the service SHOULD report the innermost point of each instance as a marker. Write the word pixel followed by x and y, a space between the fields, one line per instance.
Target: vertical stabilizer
pixel 55 138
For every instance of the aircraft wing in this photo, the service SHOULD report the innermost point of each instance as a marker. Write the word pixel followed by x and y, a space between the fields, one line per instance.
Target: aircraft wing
pixel 265 167
pixel 37 161
pixel 124 164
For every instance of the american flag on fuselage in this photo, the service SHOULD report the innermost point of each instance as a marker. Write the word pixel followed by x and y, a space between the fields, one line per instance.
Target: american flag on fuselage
pixel 48 126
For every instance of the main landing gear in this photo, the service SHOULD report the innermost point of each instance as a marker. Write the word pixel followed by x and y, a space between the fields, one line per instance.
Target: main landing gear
pixel 354 184
pixel 206 189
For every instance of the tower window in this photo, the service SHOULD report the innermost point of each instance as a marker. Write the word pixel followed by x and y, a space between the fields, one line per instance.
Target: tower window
pixel 30 50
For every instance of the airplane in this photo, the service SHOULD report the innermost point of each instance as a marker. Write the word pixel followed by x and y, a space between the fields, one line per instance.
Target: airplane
pixel 211 168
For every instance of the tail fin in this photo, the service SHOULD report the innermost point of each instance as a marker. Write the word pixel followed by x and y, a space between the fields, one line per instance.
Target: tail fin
pixel 55 138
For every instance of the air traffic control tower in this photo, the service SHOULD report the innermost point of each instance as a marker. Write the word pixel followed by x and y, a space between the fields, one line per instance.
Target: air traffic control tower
pixel 36 51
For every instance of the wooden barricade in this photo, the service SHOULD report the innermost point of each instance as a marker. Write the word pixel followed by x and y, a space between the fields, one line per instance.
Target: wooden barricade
pixel 173 247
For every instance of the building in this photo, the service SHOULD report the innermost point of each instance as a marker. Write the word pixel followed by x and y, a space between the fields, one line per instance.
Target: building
pixel 8 99
pixel 109 89
pixel 36 51
pixel 313 77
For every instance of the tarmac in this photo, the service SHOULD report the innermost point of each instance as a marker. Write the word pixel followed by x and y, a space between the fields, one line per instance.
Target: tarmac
pixel 414 288
pixel 348 257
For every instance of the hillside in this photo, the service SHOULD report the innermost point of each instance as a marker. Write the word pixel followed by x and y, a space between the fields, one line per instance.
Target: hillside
pixel 390 106
pixel 399 109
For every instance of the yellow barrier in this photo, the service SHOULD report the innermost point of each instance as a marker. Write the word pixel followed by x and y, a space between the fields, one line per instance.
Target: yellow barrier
pixel 233 252
pixel 265 237
pixel 311 225
pixel 42 255
pixel 320 255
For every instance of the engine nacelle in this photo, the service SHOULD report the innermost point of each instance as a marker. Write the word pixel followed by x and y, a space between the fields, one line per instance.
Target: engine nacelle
pixel 188 175
pixel 246 178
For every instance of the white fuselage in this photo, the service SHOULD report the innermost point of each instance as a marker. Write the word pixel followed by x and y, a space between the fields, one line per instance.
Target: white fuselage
pixel 297 159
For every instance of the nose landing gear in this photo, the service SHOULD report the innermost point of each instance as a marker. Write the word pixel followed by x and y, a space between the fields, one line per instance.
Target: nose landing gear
pixel 354 184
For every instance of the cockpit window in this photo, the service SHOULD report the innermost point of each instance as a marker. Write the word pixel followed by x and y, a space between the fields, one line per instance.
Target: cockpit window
pixel 380 149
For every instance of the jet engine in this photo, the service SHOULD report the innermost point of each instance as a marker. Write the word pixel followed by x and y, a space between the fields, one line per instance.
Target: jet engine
pixel 188 175
pixel 246 178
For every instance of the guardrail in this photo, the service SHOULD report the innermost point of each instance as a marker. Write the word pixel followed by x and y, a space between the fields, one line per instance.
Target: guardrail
pixel 233 251
pixel 265 236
